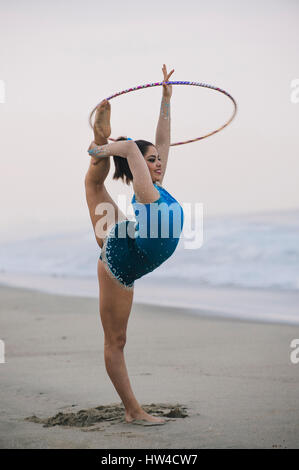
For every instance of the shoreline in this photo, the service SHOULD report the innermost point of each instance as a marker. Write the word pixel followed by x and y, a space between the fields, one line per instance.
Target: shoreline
pixel 243 304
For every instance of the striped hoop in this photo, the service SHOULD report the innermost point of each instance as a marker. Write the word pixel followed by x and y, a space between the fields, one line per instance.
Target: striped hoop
pixel 204 85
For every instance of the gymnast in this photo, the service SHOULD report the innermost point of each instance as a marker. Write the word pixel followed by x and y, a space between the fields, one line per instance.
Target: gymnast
pixel 129 250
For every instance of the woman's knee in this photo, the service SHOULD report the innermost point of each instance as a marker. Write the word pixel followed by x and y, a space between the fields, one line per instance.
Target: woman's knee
pixel 115 341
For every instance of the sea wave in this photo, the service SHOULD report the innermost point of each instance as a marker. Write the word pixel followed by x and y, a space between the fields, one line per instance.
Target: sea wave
pixel 259 251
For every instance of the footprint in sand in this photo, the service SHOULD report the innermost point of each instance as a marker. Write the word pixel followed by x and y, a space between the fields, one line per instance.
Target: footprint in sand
pixel 111 414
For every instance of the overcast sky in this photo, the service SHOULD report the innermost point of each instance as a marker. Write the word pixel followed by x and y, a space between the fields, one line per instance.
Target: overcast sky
pixel 58 59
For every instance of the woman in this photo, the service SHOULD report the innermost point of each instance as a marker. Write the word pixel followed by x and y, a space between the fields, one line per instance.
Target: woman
pixel 126 258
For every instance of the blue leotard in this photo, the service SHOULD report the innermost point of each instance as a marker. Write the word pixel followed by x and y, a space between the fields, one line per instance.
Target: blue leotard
pixel 132 249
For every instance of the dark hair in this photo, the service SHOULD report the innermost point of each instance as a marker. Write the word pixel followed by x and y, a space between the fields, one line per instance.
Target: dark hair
pixel 122 169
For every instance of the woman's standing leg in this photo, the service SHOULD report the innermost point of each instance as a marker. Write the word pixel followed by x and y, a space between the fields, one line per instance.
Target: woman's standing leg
pixel 115 309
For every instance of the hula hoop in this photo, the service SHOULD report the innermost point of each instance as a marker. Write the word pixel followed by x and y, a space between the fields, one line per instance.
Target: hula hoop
pixel 204 85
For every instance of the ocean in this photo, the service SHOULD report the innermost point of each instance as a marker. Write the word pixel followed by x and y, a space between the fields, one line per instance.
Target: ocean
pixel 254 253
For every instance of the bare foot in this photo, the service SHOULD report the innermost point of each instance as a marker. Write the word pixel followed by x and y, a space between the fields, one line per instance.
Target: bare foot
pixel 102 126
pixel 142 415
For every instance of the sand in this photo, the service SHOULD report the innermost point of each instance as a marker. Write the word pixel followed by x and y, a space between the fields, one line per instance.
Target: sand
pixel 221 383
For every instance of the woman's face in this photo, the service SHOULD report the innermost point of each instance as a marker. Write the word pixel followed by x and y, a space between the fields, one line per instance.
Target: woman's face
pixel 153 162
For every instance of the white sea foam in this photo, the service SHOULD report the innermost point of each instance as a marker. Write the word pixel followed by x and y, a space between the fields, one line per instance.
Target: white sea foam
pixel 256 251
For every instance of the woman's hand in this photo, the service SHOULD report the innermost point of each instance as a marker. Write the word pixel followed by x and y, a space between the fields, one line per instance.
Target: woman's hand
pixel 167 89
pixel 92 147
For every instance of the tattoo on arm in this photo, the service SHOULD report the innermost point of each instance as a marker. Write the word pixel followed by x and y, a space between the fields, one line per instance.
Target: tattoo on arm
pixel 165 109
pixel 99 151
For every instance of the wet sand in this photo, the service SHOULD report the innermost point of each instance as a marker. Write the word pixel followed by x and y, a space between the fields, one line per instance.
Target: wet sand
pixel 220 383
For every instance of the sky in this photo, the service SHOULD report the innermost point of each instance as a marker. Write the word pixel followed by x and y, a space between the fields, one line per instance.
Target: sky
pixel 59 59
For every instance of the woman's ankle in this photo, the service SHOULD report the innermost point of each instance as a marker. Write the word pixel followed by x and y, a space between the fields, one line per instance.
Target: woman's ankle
pixel 134 411
pixel 99 139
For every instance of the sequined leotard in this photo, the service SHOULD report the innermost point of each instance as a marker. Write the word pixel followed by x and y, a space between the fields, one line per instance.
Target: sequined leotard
pixel 133 249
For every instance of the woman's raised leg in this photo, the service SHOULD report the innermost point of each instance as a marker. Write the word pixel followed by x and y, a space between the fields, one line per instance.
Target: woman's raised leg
pixel 99 201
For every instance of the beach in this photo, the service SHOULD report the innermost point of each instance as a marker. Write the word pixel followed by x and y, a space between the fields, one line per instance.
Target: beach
pixel 222 382
pixel 213 335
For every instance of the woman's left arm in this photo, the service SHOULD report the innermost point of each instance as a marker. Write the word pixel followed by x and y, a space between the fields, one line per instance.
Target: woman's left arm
pixel 163 127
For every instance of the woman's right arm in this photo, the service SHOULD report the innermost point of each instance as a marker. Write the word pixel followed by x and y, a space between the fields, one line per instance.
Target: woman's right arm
pixel 120 148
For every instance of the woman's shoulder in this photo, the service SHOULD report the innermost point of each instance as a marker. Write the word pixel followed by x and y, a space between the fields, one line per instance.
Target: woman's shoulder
pixel 159 187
